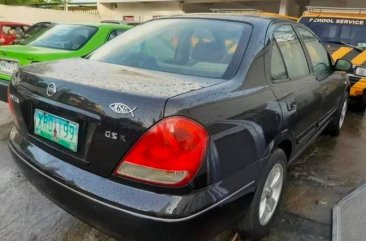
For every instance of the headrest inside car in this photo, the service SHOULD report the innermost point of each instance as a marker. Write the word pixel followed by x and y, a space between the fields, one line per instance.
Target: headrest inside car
pixel 208 52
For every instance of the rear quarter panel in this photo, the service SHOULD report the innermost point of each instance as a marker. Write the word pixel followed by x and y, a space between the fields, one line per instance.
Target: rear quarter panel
pixel 241 115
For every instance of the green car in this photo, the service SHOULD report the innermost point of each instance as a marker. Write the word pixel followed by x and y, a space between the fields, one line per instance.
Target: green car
pixel 60 41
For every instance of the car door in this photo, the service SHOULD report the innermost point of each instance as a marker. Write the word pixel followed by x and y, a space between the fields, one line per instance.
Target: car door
pixel 297 91
pixel 321 65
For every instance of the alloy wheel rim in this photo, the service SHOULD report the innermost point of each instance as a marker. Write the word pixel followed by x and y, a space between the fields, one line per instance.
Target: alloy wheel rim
pixel 343 114
pixel 271 194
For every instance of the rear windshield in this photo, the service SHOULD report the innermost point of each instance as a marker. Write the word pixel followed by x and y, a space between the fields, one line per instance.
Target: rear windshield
pixel 13 30
pixel 197 47
pixel 350 31
pixel 66 37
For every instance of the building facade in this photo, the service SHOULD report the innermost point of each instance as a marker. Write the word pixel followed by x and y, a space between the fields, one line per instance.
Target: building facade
pixel 142 10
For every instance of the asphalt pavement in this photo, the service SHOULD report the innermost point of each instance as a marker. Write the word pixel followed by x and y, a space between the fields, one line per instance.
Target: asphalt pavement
pixel 326 172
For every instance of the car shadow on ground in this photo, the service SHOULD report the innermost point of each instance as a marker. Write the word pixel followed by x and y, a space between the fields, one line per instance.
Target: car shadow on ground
pixel 329 170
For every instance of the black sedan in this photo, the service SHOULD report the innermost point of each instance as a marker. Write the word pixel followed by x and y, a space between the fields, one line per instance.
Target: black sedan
pixel 180 128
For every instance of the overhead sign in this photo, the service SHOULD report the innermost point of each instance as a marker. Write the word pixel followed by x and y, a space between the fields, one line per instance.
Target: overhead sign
pixel 129 18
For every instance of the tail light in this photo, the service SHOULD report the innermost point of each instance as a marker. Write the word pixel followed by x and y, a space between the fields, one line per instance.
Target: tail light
pixel 2 40
pixel 10 103
pixel 169 154
pixel 11 107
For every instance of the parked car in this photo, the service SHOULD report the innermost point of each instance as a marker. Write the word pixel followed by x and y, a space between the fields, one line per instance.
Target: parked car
pixel 343 30
pixel 11 31
pixel 34 30
pixel 61 41
pixel 180 128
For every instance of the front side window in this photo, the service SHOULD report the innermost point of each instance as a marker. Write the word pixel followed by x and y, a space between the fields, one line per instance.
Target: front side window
pixel 66 37
pixel 197 47
pixel 292 52
pixel 318 55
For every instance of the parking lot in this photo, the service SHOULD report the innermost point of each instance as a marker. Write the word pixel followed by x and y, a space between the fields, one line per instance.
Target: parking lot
pixel 327 171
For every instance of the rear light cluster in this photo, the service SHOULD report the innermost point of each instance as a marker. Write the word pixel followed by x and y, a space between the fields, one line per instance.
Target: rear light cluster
pixel 11 107
pixel 168 154
pixel 10 103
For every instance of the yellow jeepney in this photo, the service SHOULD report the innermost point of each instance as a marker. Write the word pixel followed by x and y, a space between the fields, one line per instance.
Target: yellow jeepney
pixel 343 31
pixel 252 12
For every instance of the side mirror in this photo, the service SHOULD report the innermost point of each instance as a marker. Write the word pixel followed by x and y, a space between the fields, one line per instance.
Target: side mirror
pixel 361 71
pixel 343 65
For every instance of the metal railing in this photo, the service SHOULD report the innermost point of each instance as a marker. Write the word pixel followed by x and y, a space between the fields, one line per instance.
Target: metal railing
pixel 89 9
pixel 235 10
pixel 335 10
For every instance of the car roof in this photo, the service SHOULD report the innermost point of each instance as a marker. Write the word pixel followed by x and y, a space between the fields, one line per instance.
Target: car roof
pixel 333 15
pixel 334 12
pixel 249 18
pixel 98 25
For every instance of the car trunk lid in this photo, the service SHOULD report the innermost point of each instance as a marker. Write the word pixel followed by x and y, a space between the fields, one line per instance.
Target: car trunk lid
pixel 113 106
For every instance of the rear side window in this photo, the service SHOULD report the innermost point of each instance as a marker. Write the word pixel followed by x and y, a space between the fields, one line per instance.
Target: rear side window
pixel 278 69
pixel 65 36
pixel 197 47
pixel 13 30
pixel 292 52
pixel 318 55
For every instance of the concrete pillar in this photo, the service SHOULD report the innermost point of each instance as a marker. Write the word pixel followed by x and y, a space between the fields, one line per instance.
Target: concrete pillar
pixel 284 7
pixel 66 5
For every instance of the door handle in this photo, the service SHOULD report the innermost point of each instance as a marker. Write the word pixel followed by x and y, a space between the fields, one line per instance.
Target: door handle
pixel 291 105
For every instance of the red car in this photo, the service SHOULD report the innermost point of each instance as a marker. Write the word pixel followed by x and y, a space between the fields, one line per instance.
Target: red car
pixel 10 31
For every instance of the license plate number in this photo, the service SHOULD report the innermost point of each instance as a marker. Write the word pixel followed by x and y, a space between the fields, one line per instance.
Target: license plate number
pixel 57 129
pixel 8 67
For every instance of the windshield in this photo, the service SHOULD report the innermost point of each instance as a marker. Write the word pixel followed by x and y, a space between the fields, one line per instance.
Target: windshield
pixel 66 37
pixel 350 31
pixel 196 47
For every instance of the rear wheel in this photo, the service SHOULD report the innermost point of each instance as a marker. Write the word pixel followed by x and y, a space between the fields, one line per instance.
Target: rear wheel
pixel 335 126
pixel 256 223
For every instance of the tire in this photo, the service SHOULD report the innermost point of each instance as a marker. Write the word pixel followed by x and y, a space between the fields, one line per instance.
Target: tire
pixel 251 225
pixel 362 104
pixel 335 126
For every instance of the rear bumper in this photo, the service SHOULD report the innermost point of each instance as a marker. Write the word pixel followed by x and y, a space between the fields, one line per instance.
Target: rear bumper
pixel 126 212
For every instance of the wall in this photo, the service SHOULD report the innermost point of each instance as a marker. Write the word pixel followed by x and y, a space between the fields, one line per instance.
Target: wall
pixel 270 6
pixel 142 10
pixel 146 10
pixel 34 15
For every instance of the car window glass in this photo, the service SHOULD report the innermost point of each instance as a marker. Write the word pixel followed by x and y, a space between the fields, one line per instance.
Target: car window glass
pixel 339 30
pixel 278 69
pixel 197 47
pixel 8 30
pixel 162 47
pixel 318 55
pixel 64 36
pixel 115 33
pixel 292 51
